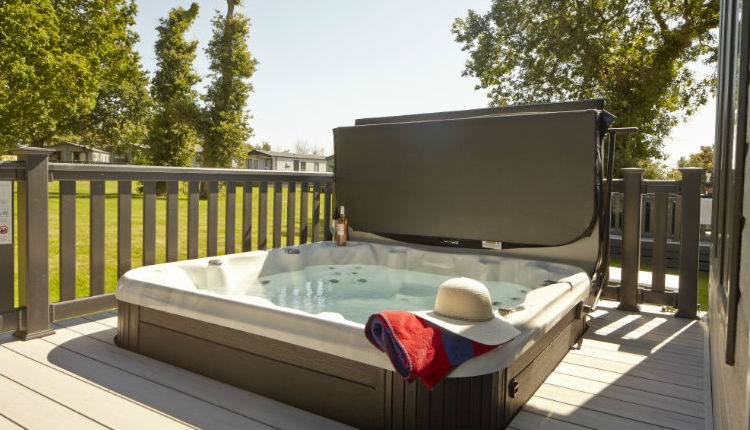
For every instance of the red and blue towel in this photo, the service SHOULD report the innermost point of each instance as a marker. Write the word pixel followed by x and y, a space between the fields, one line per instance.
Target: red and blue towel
pixel 419 349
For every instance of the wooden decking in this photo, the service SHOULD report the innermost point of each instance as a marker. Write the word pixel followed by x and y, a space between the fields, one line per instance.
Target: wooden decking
pixel 632 371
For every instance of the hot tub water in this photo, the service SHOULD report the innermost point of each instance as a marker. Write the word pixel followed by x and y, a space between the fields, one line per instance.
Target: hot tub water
pixel 356 290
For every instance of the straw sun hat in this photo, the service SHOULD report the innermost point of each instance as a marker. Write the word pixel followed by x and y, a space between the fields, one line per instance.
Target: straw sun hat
pixel 463 306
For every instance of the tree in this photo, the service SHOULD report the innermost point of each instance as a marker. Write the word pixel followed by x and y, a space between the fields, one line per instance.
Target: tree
pixel 303 147
pixel 634 54
pixel 226 125
pixel 59 62
pixel 704 159
pixel 42 81
pixel 173 131
pixel 119 120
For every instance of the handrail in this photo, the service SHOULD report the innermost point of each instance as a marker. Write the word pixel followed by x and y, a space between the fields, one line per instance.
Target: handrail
pixel 118 172
pixel 11 170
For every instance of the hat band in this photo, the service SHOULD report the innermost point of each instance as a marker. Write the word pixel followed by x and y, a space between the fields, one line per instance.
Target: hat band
pixel 457 317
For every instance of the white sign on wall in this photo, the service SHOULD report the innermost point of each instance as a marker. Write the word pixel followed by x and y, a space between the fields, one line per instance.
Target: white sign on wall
pixel 6 212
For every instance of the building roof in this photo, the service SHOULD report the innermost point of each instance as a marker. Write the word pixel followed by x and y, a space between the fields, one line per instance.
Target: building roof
pixel 83 147
pixel 286 154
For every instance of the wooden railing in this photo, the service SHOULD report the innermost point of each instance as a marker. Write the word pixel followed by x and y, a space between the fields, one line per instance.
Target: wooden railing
pixel 674 208
pixel 29 311
pixel 307 197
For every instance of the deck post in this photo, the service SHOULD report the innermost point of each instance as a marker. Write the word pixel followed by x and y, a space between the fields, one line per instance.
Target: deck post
pixel 687 299
pixel 631 238
pixel 33 248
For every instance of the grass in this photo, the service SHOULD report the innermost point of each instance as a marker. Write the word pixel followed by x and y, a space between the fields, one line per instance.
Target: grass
pixel 702 280
pixel 83 242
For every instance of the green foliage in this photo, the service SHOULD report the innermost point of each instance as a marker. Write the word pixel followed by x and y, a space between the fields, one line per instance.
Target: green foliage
pixel 44 78
pixel 226 126
pixel 173 132
pixel 68 69
pixel 704 159
pixel 634 54
pixel 119 121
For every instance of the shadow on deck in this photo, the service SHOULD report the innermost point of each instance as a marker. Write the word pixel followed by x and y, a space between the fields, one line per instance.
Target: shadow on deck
pixel 632 371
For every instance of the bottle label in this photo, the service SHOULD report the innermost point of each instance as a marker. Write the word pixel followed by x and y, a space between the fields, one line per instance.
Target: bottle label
pixel 341 231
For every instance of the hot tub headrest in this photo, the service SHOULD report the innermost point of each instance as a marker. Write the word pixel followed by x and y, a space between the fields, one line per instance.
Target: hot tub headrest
pixel 529 178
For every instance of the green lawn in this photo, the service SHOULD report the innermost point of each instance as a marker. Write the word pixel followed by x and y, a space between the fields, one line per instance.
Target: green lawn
pixel 82 233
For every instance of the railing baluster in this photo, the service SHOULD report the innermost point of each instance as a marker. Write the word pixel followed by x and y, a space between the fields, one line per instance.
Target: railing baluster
pixel 173 245
pixel 263 216
pixel 124 226
pixel 229 217
pixel 290 212
pixel 631 238
pixel 659 216
pixel 687 300
pixel 277 215
pixel 303 213
pixel 247 216
pixel 193 219
pixel 212 228
pixel 149 222
pixel 327 213
pixel 96 236
pixel 67 240
pixel 316 212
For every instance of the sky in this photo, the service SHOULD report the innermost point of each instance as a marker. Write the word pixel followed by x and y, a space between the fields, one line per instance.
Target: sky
pixel 324 63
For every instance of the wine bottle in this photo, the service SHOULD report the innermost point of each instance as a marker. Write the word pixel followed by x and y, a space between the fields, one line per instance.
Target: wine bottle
pixel 342 228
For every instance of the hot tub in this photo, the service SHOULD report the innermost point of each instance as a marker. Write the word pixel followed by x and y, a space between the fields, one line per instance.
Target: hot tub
pixel 511 197
pixel 288 323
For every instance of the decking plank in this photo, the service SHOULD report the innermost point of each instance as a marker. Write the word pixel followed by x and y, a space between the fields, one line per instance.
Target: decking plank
pixel 7 424
pixel 29 366
pixel 619 408
pixel 96 343
pixel 633 357
pixel 582 416
pixel 529 421
pixel 636 347
pixel 687 407
pixel 650 371
pixel 634 382
pixel 28 409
